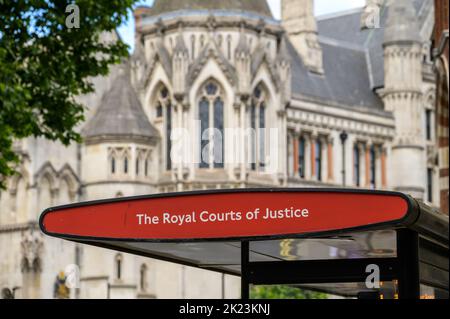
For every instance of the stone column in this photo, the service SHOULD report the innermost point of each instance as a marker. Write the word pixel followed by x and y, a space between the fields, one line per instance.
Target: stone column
pixel 308 166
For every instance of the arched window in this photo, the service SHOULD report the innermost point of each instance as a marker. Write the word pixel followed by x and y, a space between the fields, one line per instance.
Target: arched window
pixel 137 166
pixel 64 192
pixel 229 47
pixel 125 164
pixel 373 167
pixel 192 47
pixel 211 113
pixel 301 156
pixel 164 109
pixel 20 200
pixel 220 41
pixel 356 165
pixel 118 266
pixel 143 277
pixel 45 198
pixel 113 164
pixel 318 153
pixel 429 124
pixel 258 124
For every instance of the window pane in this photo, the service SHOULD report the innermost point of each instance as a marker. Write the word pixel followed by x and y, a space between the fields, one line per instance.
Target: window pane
pixel 356 168
pixel 428 124
pixel 211 89
pixel 319 160
pixel 218 140
pixel 159 111
pixel 262 126
pixel 301 157
pixel 430 185
pixel 168 140
pixel 253 126
pixel 125 165
pixel 146 167
pixel 204 120
pixel 373 167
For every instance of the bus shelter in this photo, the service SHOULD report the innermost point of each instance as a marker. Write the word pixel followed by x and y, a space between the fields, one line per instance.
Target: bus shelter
pixel 350 243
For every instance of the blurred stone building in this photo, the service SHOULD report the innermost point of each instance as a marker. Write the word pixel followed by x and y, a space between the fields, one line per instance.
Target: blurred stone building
pixel 442 107
pixel 351 95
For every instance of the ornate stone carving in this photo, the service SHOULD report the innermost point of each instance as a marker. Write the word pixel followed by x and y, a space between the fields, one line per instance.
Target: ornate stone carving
pixel 32 246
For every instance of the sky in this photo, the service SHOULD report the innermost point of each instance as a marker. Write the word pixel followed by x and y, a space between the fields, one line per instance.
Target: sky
pixel 321 7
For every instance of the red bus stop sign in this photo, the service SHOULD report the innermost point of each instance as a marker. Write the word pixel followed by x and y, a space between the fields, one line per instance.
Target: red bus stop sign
pixel 227 215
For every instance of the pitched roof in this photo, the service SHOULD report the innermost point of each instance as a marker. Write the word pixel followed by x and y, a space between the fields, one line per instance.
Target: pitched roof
pixel 120 113
pixel 345 29
pixel 345 80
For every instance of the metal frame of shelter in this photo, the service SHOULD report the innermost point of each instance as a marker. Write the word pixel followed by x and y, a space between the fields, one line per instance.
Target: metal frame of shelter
pixel 421 256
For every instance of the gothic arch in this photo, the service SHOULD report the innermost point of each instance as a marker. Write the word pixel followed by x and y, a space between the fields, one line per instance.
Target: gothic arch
pixel 211 71
pixel 261 60
pixel 68 176
pixel 270 81
pixel 210 109
pixel 162 107
pixel 211 53
pixel 22 174
pixel 47 171
pixel 160 58
pixel 159 78
pixel 18 196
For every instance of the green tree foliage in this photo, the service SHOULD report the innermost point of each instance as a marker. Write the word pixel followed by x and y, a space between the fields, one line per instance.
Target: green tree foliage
pixel 283 292
pixel 44 65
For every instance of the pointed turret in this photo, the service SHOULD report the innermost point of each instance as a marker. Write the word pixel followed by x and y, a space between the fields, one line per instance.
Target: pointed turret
pixel 243 64
pixel 402 95
pixel 402 24
pixel 180 65
pixel 283 63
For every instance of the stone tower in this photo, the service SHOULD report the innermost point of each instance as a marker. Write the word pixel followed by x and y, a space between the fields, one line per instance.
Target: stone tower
pixel 299 22
pixel 403 95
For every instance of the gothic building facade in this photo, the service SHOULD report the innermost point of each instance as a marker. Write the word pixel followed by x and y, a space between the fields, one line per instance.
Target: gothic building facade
pixel 351 97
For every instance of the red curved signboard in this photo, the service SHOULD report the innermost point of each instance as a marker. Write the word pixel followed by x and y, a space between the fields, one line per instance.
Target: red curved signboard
pixel 226 215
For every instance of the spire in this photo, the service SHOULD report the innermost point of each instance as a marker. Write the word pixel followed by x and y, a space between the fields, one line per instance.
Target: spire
pixel 120 112
pixel 180 65
pixel 243 63
pixel 180 45
pixel 297 18
pixel 401 24
pixel 283 62
pixel 242 46
pixel 139 52
pixel 283 53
